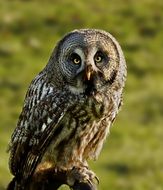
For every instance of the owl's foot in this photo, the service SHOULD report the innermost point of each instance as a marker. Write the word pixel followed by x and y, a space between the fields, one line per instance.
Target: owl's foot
pixel 82 175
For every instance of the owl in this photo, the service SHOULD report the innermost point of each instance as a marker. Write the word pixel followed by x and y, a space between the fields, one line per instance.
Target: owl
pixel 69 108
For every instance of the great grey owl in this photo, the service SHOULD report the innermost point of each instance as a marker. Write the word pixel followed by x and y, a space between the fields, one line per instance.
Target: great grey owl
pixel 69 108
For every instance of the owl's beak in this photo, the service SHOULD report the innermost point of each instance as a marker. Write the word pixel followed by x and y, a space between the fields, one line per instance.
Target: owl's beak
pixel 89 72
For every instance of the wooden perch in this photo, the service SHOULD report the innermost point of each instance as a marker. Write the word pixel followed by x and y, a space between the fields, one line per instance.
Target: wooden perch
pixel 51 180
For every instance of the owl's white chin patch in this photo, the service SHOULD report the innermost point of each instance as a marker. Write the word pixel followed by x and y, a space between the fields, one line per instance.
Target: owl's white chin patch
pixel 76 90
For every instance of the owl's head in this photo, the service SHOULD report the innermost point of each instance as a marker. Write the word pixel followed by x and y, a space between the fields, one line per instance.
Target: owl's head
pixel 87 60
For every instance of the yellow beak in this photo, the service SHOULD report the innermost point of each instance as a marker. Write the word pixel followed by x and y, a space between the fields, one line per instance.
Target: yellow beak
pixel 89 72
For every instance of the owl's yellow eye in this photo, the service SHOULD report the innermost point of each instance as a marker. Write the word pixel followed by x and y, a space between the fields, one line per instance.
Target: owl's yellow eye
pixel 75 58
pixel 98 58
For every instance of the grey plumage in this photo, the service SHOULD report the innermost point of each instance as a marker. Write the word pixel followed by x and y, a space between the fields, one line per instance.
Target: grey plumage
pixel 69 106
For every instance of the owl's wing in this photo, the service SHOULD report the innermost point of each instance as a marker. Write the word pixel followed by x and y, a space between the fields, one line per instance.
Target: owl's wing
pixel 36 128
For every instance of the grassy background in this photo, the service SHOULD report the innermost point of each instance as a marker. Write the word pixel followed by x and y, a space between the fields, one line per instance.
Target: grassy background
pixel 132 158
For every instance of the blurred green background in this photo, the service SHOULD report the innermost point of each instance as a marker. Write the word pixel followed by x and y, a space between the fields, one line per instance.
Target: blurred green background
pixel 132 158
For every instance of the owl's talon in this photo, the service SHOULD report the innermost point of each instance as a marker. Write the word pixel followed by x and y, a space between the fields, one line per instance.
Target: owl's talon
pixel 82 175
pixel 97 180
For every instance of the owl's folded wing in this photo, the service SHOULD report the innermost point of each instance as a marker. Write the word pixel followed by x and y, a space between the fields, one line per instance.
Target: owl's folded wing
pixel 34 132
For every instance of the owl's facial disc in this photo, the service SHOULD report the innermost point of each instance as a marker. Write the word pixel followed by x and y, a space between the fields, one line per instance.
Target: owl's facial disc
pixel 86 62
pixel 88 65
